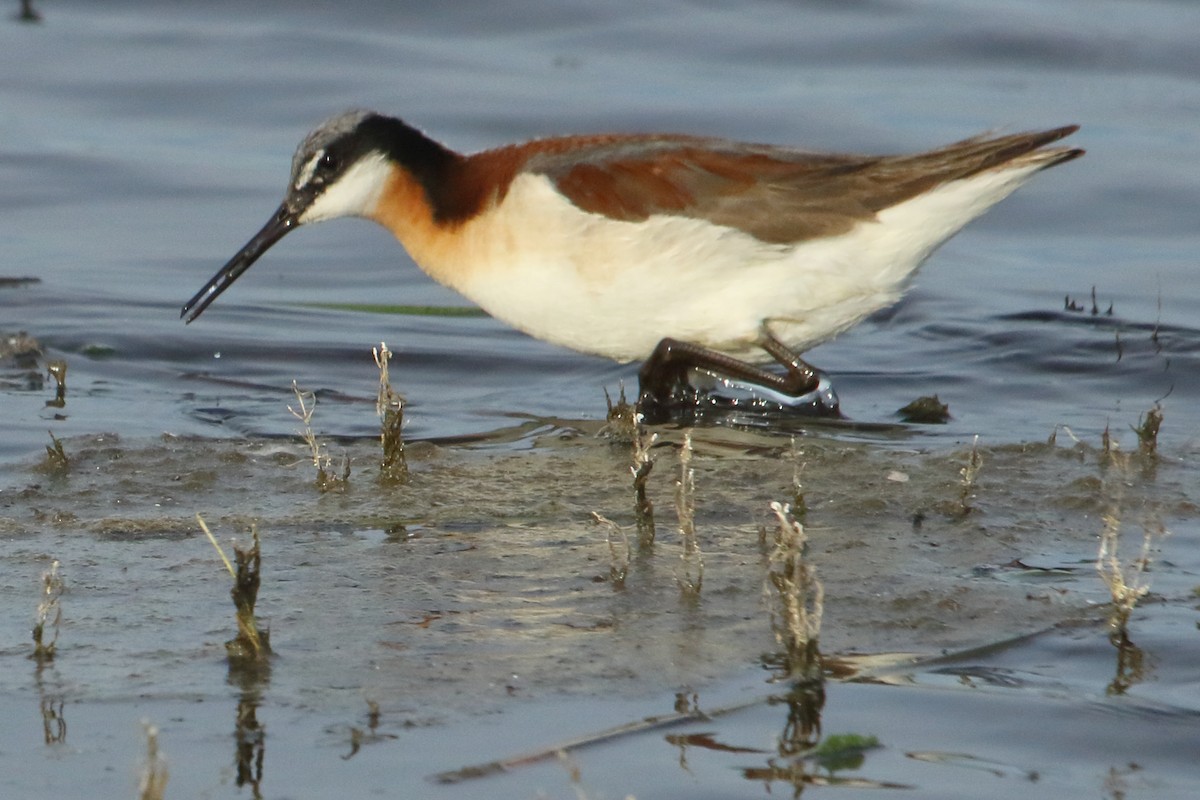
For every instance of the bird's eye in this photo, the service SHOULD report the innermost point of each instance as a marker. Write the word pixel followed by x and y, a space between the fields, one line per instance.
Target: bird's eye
pixel 328 163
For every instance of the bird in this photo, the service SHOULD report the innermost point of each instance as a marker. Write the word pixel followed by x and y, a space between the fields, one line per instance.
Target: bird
pixel 680 251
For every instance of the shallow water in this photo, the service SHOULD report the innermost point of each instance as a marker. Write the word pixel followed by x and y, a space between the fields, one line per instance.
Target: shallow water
pixel 140 147
pixel 474 608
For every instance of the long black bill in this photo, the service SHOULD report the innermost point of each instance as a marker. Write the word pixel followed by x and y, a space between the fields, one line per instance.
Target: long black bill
pixel 281 222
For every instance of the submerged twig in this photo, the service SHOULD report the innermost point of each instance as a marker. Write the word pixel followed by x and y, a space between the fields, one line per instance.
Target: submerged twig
pixel 635 728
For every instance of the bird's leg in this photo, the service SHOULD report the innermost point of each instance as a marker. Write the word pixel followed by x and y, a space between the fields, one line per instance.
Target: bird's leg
pixel 801 376
pixel 665 370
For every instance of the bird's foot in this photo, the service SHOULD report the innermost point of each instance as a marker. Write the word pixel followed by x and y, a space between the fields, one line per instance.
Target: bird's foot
pixel 681 381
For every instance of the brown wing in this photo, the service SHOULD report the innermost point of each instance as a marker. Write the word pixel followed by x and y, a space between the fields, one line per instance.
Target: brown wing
pixel 776 194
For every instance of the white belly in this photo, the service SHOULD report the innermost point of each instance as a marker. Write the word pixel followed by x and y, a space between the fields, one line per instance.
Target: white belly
pixel 615 288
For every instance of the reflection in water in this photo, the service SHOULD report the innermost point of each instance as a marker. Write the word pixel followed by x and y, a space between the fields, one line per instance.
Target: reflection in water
pixel 687 703
pixel 250 743
pixel 359 737
pixel 802 731
pixel 1131 663
pixel 1116 781
pixel 249 735
pixel 797 597
pixel 28 13
pixel 54 723
pixel 802 761
pixel 797 604
pixel 250 747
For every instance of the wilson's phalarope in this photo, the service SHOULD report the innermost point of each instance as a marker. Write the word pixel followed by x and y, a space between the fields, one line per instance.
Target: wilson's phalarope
pixel 682 251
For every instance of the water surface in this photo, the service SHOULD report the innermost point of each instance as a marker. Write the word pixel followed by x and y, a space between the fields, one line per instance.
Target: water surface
pixel 140 146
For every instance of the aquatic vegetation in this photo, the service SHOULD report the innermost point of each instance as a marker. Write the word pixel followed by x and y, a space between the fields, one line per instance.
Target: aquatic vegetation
pixel 1147 431
pixel 799 504
pixel 926 410
pixel 643 463
pixel 833 754
pixel 690 577
pixel 49 612
pixel 624 425
pixel 619 554
pixel 327 479
pixel 798 601
pixel 389 405
pixel 843 751
pixel 57 369
pixel 1070 304
pixel 251 646
pixel 56 457
pixel 1126 585
pixel 970 474
pixel 621 419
